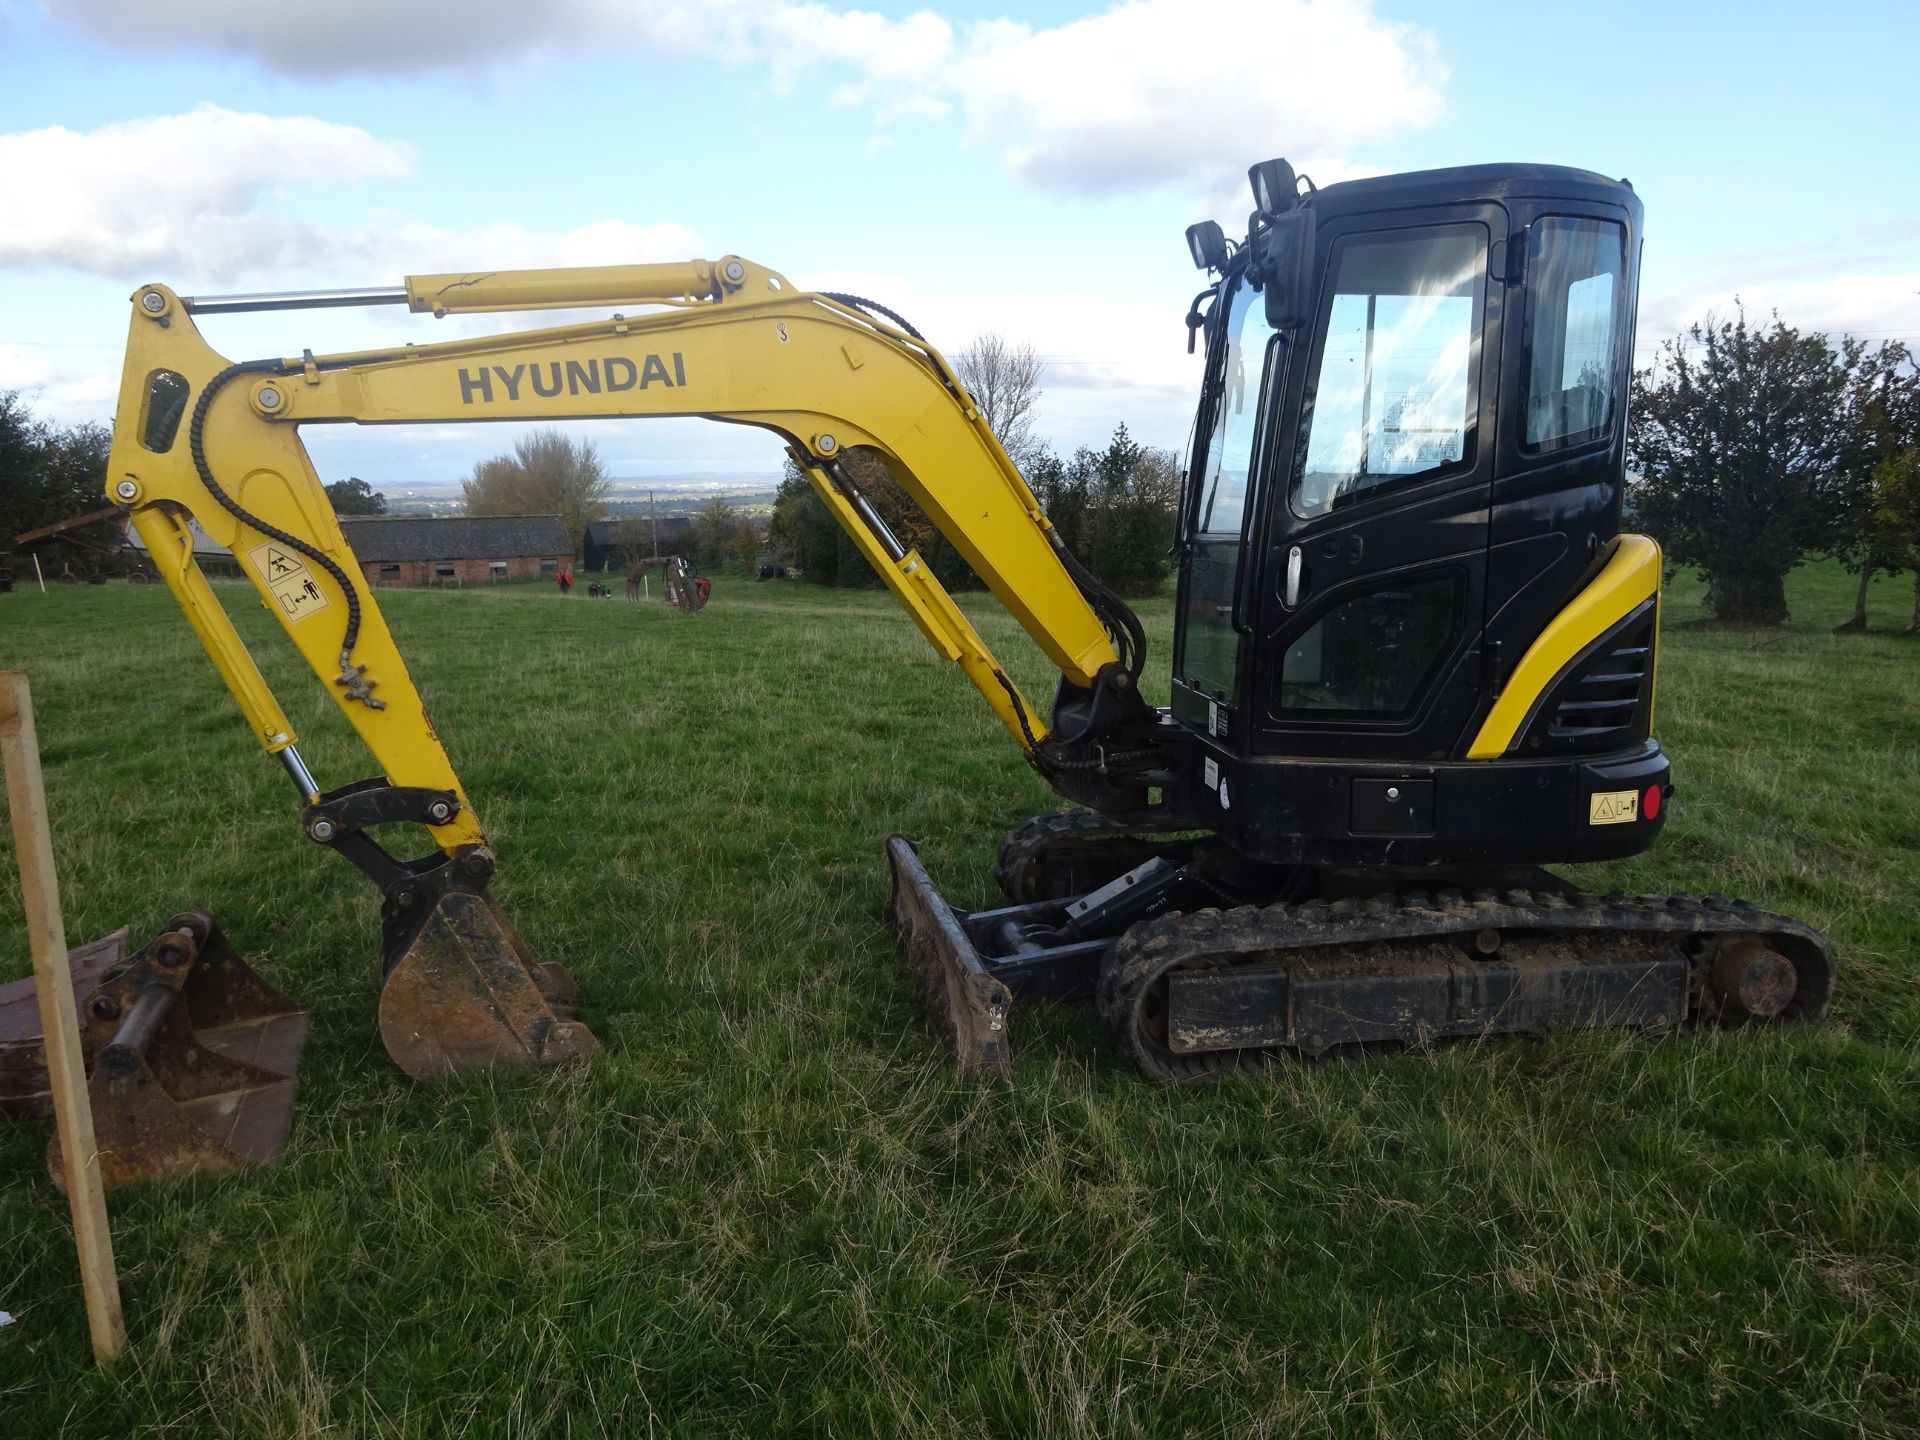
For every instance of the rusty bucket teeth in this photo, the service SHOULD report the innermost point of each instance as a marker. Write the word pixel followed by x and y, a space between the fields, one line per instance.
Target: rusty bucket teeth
pixel 191 1055
pixel 967 1007
pixel 465 994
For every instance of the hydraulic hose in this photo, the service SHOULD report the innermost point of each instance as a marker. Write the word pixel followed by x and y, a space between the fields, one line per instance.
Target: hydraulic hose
pixel 197 446
pixel 1129 636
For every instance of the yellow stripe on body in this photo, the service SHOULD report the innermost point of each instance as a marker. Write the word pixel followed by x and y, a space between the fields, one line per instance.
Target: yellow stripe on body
pixel 1630 577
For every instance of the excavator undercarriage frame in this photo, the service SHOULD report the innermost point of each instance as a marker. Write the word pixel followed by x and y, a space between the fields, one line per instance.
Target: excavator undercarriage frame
pixel 1207 966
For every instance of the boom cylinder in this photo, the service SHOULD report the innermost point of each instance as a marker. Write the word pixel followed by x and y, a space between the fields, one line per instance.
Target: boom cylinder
pixel 293 300
pixel 888 540
pixel 558 289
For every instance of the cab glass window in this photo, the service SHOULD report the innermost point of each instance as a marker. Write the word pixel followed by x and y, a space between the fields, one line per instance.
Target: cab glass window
pixel 1574 275
pixel 1393 395
pixel 1372 655
pixel 1223 492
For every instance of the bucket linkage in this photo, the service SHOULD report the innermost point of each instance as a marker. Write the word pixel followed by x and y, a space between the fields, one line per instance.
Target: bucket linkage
pixel 462 991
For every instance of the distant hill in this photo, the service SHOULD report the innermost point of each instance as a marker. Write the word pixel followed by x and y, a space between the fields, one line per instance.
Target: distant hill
pixel 753 494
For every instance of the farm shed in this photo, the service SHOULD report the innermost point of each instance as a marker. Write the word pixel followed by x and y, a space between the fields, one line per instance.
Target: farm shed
pixel 612 544
pixel 465 550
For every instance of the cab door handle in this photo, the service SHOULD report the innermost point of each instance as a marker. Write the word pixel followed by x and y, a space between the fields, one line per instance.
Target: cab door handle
pixel 1296 566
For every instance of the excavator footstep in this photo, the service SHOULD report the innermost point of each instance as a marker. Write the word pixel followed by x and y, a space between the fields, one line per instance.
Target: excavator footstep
pixel 967 1007
pixel 465 994
pixel 191 1055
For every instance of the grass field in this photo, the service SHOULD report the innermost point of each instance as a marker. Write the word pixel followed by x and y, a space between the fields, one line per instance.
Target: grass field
pixel 769 1208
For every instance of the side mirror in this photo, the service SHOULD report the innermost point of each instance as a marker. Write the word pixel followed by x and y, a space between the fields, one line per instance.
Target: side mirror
pixel 1286 268
pixel 1207 243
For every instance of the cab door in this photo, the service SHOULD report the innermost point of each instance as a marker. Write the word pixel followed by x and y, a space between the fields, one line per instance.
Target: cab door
pixel 1246 359
pixel 1366 640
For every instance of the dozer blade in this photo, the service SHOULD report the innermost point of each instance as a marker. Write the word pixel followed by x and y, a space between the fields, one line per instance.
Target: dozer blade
pixel 192 1055
pixel 465 994
pixel 967 1006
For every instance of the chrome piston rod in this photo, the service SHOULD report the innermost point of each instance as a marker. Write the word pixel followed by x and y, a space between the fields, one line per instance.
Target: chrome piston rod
pixel 302 777
pixel 294 300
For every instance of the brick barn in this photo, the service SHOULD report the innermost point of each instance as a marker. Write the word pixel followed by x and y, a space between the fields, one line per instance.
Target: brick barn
pixel 466 550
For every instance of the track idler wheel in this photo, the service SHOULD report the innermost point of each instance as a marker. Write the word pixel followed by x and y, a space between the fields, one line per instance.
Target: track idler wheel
pixel 1754 982
pixel 465 994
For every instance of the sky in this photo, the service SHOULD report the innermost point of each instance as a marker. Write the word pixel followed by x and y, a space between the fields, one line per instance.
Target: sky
pixel 975 167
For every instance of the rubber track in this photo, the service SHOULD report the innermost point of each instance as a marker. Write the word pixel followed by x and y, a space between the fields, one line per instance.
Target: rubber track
pixel 1252 933
pixel 1035 835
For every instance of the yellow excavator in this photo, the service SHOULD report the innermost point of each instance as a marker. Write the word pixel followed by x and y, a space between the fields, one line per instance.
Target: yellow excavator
pixel 1414 657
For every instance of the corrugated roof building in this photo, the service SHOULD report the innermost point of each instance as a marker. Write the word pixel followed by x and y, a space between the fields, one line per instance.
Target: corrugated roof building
pixel 464 550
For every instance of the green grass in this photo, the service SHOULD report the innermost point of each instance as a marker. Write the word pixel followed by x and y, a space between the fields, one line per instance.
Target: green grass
pixel 769 1207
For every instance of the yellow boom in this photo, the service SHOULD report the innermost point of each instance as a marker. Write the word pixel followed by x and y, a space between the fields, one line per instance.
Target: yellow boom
pixel 200 437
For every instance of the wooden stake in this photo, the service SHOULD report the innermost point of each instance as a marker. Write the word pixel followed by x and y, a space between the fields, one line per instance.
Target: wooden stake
pixel 38 574
pixel 53 982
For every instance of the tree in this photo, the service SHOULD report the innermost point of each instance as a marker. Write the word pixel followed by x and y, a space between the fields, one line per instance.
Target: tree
pixel 1114 509
pixel 807 536
pixel 1896 518
pixel 46 473
pixel 547 474
pixel 711 535
pixel 1004 381
pixel 808 539
pixel 1738 436
pixel 353 496
pixel 635 537
pixel 749 538
pixel 73 467
pixel 1882 417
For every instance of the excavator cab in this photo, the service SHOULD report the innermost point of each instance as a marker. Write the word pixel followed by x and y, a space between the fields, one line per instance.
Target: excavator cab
pixel 1395 491
pixel 1413 664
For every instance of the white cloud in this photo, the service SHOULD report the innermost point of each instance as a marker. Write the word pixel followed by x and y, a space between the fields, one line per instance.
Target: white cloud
pixel 380 37
pixel 1107 358
pixel 339 37
pixel 66 384
pixel 885 52
pixel 90 201
pixel 1142 94
pixel 391 247
pixel 1870 307
pixel 1165 91
pixel 116 201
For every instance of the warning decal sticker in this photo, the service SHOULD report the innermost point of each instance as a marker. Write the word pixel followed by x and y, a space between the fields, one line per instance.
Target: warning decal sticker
pixel 287 576
pixel 1613 807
